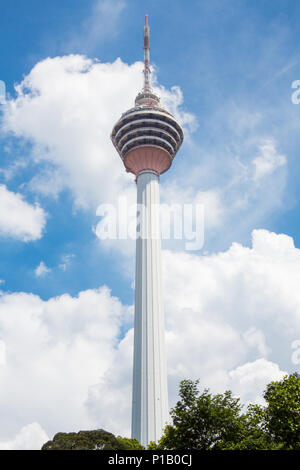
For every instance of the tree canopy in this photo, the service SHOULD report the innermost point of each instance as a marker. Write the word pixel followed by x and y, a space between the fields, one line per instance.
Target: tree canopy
pixel 281 417
pixel 205 422
pixel 91 440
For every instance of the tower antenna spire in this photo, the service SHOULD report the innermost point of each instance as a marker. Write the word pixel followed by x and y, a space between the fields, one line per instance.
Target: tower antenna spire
pixel 147 71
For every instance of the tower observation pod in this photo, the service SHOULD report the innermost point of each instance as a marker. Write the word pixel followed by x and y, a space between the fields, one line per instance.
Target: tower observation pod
pixel 147 138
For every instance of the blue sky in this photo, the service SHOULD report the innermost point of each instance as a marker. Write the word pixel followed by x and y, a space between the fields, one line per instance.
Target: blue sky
pixel 240 55
pixel 233 64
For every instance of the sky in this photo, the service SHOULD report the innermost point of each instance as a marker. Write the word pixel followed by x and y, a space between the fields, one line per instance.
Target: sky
pixel 232 307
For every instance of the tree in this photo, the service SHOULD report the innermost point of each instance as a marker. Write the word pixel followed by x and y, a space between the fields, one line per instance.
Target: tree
pixel 252 435
pixel 281 417
pixel 202 421
pixel 91 440
pixel 205 421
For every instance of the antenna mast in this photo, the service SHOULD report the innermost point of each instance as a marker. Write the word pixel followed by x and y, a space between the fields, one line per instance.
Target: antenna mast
pixel 147 71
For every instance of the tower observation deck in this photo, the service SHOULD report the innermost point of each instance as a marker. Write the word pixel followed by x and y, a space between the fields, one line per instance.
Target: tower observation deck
pixel 147 138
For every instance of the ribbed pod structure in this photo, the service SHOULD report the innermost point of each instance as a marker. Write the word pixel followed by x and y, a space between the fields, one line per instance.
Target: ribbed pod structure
pixel 144 128
pixel 147 138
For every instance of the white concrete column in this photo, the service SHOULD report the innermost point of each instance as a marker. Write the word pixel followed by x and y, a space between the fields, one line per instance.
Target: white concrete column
pixel 150 410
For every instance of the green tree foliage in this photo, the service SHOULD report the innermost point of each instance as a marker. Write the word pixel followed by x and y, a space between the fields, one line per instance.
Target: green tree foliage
pixel 130 444
pixel 205 422
pixel 91 440
pixel 281 417
pixel 202 421
pixel 251 435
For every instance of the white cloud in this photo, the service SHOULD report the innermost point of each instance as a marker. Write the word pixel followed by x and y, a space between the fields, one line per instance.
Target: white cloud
pixel 268 160
pixel 227 309
pixel 256 339
pixel 2 353
pixel 268 243
pixel 173 100
pixel 113 392
pixel 30 437
pixel 259 281
pixel 66 107
pixel 54 351
pixel 18 218
pixel 250 379
pixel 231 319
pixel 41 269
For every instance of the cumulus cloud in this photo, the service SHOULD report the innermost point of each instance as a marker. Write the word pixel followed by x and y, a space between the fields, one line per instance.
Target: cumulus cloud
pixel 30 437
pixel 252 280
pixel 249 293
pixel 66 108
pixel 113 391
pixel 250 379
pixel 54 351
pixel 18 218
pixel 231 319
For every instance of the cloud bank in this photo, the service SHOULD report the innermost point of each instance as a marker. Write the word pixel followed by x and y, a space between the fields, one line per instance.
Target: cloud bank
pixel 231 319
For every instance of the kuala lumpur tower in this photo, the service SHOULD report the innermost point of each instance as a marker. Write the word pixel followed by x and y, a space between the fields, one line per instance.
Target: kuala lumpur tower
pixel 147 138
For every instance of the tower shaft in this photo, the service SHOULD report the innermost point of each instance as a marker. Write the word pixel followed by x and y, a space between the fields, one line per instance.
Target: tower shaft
pixel 150 395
